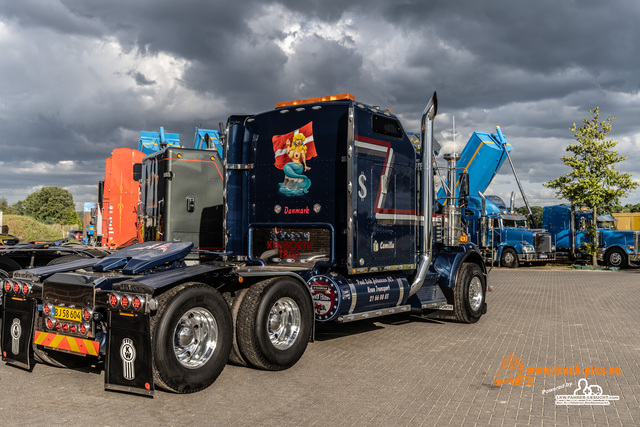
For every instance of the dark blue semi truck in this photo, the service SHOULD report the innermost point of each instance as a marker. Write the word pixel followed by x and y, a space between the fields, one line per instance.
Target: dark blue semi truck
pixel 319 216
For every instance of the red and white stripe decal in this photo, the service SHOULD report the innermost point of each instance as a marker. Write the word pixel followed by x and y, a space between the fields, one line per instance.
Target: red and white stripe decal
pixel 384 149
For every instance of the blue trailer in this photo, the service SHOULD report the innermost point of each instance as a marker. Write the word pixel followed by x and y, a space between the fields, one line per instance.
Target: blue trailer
pixel 616 248
pixel 208 139
pixel 321 205
pixel 151 142
pixel 482 157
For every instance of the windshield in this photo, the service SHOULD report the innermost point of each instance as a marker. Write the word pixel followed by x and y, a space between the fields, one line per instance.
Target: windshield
pixel 607 225
pixel 514 223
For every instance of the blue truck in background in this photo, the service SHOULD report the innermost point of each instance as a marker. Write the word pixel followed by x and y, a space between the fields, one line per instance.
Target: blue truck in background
pixel 616 248
pixel 505 236
pixel 500 234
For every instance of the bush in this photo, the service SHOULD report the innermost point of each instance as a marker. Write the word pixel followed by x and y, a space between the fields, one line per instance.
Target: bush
pixel 28 229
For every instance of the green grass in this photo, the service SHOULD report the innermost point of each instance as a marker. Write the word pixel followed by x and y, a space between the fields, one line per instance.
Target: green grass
pixel 28 229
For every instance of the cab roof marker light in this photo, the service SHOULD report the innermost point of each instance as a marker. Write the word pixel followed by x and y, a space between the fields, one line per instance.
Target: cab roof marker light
pixel 339 97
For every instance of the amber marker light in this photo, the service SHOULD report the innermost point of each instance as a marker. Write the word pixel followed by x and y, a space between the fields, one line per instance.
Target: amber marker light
pixel 339 97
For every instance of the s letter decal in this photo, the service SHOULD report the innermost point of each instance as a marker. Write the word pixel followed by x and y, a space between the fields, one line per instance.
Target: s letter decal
pixel 362 193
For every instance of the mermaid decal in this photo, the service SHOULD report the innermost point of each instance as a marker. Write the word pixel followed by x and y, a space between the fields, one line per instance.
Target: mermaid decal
pixel 292 150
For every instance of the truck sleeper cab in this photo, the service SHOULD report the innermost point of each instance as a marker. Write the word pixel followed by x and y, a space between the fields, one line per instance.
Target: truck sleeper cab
pixel 323 205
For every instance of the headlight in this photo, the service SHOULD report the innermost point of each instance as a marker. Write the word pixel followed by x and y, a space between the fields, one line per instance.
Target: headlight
pixel 528 248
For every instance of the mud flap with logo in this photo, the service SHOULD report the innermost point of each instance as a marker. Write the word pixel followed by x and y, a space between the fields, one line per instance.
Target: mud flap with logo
pixel 128 366
pixel 17 331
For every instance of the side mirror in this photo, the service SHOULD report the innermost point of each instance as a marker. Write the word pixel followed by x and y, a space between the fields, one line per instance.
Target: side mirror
pixel 463 191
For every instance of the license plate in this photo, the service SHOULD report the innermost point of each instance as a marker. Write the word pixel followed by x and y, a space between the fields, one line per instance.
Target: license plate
pixel 543 256
pixel 66 313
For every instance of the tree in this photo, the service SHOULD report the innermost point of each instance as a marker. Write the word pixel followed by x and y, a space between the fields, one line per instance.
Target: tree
pixel 4 206
pixel 18 208
pixel 50 205
pixel 14 209
pixel 594 181
pixel 71 217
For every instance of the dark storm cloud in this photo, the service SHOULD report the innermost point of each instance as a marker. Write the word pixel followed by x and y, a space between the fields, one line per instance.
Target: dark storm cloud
pixel 82 77
pixel 52 15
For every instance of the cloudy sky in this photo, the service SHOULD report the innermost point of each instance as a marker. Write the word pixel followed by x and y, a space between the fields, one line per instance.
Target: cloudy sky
pixel 79 78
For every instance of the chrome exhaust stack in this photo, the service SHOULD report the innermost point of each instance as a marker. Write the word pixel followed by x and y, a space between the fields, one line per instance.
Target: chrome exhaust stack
pixel 513 199
pixel 483 221
pixel 426 192
pixel 451 215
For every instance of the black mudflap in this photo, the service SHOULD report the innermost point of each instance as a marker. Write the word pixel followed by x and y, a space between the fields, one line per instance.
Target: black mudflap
pixel 128 366
pixel 17 331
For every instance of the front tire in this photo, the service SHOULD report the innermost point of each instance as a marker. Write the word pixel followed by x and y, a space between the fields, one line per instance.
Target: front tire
pixel 190 338
pixel 274 323
pixel 616 258
pixel 469 293
pixel 509 258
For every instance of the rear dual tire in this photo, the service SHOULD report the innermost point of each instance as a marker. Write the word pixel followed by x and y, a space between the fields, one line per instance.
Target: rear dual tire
pixel 190 338
pixel 274 323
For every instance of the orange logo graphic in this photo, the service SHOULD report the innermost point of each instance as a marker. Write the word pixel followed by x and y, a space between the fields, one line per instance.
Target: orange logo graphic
pixel 511 371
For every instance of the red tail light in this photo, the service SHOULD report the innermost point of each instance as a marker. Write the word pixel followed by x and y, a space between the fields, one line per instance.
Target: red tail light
pixel 86 314
pixel 49 323
pixel 65 327
pixel 137 302
pixel 72 328
pixel 83 329
pixel 7 286
pixel 124 301
pixel 16 288
pixel 113 300
pixel 57 326
pixel 46 309
pixel 25 288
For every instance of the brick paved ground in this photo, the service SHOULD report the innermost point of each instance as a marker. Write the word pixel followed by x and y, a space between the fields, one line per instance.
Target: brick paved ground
pixel 397 371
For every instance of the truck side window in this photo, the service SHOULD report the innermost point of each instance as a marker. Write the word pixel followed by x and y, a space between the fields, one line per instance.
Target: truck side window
pixel 386 126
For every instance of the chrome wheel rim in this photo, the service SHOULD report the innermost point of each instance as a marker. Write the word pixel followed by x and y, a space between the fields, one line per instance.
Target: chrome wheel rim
pixel 508 258
pixel 615 259
pixel 283 325
pixel 475 293
pixel 195 338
